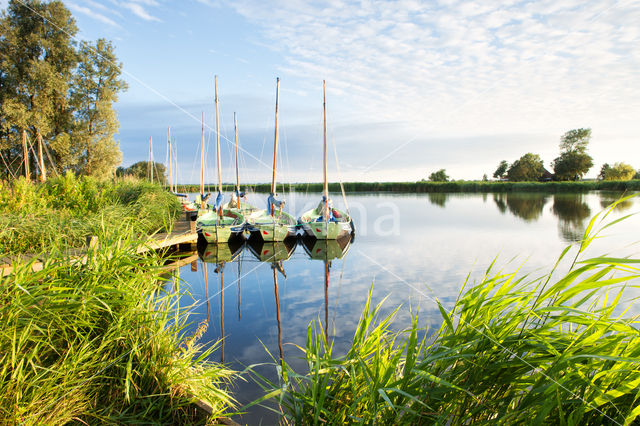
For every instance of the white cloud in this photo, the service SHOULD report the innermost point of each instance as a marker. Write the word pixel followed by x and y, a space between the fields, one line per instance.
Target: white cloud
pixel 140 11
pixel 91 13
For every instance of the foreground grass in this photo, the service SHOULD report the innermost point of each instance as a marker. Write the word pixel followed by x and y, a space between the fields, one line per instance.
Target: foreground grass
pixel 64 211
pixel 513 350
pixel 101 343
pixel 453 186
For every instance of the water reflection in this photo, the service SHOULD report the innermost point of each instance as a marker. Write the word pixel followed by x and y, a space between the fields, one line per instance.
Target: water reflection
pixel 572 212
pixel 526 206
pixel 608 198
pixel 438 198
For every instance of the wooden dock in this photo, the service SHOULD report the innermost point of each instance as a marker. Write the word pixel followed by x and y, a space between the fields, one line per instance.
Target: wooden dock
pixel 183 233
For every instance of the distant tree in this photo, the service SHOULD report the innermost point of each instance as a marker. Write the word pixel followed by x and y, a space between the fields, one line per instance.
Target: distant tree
pixel 140 170
pixel 439 176
pixel 501 171
pixel 529 167
pixel 603 171
pixel 637 175
pixel 619 171
pixel 573 161
pixel 95 90
pixel 485 178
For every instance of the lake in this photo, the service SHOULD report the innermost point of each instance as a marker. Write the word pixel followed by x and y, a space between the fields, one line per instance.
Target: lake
pixel 412 248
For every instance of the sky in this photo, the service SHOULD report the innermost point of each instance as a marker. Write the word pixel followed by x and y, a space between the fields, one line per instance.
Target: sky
pixel 412 87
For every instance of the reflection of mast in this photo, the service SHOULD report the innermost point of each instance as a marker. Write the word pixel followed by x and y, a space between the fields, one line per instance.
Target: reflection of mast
pixel 220 268
pixel 239 294
pixel 206 287
pixel 275 286
pixel 327 269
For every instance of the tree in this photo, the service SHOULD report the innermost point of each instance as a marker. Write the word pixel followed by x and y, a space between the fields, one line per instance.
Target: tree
pixel 573 161
pixel 637 175
pixel 619 171
pixel 140 170
pixel 529 167
pixel 439 176
pixel 95 90
pixel 501 170
pixel 49 87
pixel 603 171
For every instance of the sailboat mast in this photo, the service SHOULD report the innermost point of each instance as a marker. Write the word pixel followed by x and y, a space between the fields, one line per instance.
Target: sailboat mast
pixel 169 160
pixel 151 158
pixel 235 127
pixel 325 188
pixel 175 159
pixel 218 137
pixel 275 141
pixel 202 203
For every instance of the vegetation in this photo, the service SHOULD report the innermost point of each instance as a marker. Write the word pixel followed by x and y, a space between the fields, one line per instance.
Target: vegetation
pixel 32 216
pixel 573 161
pixel 141 170
pixel 619 171
pixel 527 168
pixel 439 176
pixel 101 343
pixel 501 171
pixel 53 89
pixel 513 350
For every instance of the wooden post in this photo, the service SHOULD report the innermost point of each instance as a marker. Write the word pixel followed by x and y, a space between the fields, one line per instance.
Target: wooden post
pixel 25 153
pixel 151 159
pixel 43 171
pixel 169 158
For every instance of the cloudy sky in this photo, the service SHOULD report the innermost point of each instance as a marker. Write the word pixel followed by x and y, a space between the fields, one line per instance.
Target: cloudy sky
pixel 412 86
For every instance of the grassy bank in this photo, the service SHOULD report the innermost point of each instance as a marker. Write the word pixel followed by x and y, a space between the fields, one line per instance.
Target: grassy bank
pixel 513 350
pixel 62 212
pixel 101 343
pixel 455 186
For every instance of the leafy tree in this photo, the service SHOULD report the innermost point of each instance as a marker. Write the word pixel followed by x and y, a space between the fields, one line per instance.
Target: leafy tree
pixel 573 161
pixel 637 175
pixel 603 171
pixel 529 167
pixel 485 178
pixel 439 176
pixel 140 170
pixel 49 87
pixel 619 171
pixel 95 90
pixel 501 171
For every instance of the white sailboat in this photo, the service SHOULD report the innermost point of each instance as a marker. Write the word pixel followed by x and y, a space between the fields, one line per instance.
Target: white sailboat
pixel 326 222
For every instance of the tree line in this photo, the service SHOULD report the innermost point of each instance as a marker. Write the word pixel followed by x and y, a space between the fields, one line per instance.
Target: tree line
pixel 571 165
pixel 58 90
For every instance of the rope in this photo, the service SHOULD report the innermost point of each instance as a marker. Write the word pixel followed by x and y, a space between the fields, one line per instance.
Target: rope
pixel 6 165
pixel 344 196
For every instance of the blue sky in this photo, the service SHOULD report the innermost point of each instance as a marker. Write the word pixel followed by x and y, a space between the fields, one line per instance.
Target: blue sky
pixel 412 86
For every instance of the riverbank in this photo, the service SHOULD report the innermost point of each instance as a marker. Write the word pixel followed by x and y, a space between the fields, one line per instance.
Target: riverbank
pixel 440 187
pixel 98 341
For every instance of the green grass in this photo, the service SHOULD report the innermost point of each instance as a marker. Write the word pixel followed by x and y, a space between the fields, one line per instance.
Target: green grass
pixel 101 343
pixel 62 212
pixel 514 349
pixel 454 186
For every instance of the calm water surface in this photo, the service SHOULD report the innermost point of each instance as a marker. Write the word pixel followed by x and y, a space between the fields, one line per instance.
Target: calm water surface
pixel 413 248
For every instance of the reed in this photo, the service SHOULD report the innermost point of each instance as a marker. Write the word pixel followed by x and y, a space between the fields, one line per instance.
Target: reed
pixel 62 212
pixel 102 343
pixel 514 349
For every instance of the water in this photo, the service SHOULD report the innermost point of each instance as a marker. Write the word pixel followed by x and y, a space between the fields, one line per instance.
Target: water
pixel 413 248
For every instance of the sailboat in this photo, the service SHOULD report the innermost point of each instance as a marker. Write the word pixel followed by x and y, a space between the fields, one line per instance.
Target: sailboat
pixel 219 225
pixel 269 224
pixel 325 222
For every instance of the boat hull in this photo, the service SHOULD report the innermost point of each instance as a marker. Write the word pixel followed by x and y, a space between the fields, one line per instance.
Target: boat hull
pixel 278 228
pixel 216 230
pixel 323 230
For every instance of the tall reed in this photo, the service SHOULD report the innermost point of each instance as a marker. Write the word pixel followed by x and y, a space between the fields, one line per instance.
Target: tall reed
pixel 101 343
pixel 513 350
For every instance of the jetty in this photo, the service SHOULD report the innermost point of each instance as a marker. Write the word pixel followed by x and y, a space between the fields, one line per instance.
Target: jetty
pixel 182 236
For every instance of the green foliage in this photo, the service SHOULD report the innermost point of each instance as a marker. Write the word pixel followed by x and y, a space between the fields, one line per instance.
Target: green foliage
pixel 63 211
pixel 101 343
pixel 501 171
pixel 439 176
pixel 572 165
pixel 619 171
pixel 48 87
pixel 140 170
pixel 575 140
pixel 527 168
pixel 513 350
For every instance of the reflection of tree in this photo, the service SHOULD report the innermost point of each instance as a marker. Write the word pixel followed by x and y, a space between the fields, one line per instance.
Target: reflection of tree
pixel 571 211
pixel 438 198
pixel 608 198
pixel 525 206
